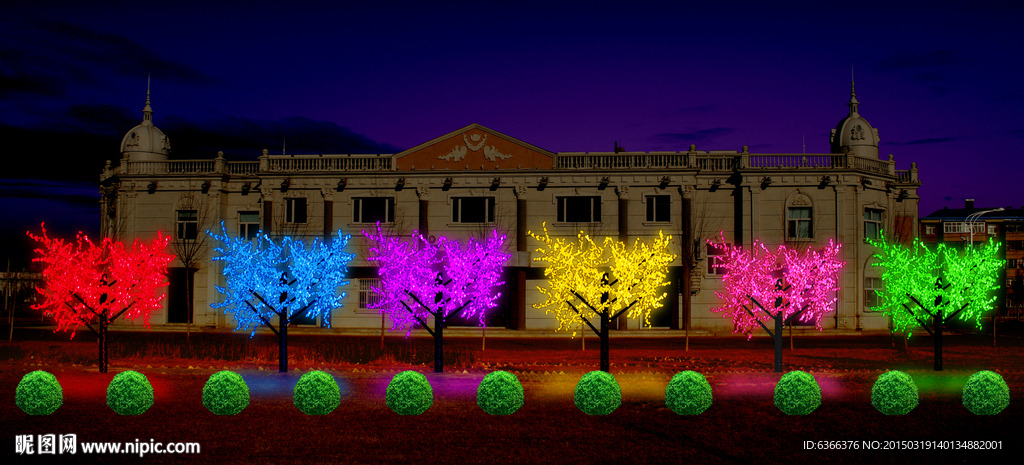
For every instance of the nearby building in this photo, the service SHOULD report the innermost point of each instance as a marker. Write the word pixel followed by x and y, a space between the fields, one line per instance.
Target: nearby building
pixel 961 227
pixel 474 179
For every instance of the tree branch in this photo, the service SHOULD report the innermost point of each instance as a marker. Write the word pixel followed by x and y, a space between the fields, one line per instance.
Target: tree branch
pixel 625 309
pixel 923 325
pixel 271 307
pixel 83 320
pixel 585 320
pixel 578 296
pixel 121 312
pixel 929 312
pixel 94 312
pixel 752 299
pixel 420 320
pixel 269 325
pixel 951 315
pixel 758 321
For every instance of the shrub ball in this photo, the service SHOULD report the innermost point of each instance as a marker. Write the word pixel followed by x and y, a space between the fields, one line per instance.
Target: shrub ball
pixel 894 393
pixel 225 393
pixel 986 393
pixel 38 393
pixel 598 393
pixel 409 393
pixel 500 393
pixel 797 393
pixel 317 393
pixel 130 393
pixel 688 393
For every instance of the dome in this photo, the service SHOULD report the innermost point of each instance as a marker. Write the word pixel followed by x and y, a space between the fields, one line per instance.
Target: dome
pixel 146 142
pixel 854 133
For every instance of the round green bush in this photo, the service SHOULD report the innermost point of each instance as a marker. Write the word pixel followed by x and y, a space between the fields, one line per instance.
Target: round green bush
pixel 130 393
pixel 38 393
pixel 225 393
pixel 894 393
pixel 986 393
pixel 500 393
pixel 797 393
pixel 317 393
pixel 409 393
pixel 688 393
pixel 598 393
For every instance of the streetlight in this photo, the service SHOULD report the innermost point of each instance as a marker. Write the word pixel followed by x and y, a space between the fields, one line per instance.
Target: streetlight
pixel 973 218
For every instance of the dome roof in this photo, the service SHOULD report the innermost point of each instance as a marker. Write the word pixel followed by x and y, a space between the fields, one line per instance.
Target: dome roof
pixel 146 142
pixel 854 133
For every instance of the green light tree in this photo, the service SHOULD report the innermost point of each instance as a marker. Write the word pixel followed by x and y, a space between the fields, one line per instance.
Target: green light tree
pixel 930 287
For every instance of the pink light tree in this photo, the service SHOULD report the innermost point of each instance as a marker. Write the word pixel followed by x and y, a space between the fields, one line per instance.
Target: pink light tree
pixel 781 286
pixel 422 279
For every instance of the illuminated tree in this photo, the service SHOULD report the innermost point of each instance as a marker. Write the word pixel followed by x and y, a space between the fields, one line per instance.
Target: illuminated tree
pixel 925 285
pixel 422 279
pixel 85 283
pixel 793 285
pixel 264 279
pixel 588 281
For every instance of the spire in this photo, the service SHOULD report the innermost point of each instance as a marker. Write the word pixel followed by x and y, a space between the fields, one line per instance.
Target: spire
pixel 853 95
pixel 147 111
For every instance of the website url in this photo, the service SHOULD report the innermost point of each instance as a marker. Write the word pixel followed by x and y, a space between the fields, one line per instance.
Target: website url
pixel 53 444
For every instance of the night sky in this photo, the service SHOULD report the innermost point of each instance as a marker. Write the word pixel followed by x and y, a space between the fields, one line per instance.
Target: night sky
pixel 941 81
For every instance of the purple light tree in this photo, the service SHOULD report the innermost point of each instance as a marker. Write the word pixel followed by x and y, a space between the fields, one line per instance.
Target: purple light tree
pixel 420 279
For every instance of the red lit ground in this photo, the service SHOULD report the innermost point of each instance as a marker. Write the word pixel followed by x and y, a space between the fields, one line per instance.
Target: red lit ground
pixel 742 426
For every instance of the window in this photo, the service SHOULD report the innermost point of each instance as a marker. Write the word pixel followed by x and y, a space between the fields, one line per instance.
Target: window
pixel 1014 245
pixel 658 208
pixel 872 223
pixel 993 229
pixel 248 224
pixel 799 223
pixel 373 209
pixel 295 210
pixel 368 298
pixel 472 209
pixel 188 225
pixel 715 259
pixel 579 209
pixel 929 229
pixel 1014 262
pixel 954 227
pixel 870 298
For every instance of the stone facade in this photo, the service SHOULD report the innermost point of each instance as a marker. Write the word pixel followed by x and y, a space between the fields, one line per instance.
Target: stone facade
pixel 474 179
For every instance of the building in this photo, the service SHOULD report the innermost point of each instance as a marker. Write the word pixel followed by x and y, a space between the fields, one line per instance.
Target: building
pixel 475 178
pixel 961 227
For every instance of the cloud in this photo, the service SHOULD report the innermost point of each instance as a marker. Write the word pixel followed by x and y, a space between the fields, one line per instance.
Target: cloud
pixel 931 140
pixel 693 137
pixel 85 136
pixel 72 193
pixel 243 138
pixel 904 61
pixel 45 57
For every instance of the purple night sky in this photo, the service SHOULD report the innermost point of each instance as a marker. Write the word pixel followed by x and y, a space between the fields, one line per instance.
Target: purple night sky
pixel 940 81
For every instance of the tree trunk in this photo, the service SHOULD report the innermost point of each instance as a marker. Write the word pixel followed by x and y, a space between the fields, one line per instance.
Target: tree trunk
pixel 282 363
pixel 189 306
pixel 103 344
pixel 604 342
pixel 438 344
pixel 938 340
pixel 778 342
pixel 382 332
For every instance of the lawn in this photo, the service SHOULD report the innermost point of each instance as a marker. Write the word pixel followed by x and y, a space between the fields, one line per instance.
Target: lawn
pixel 742 426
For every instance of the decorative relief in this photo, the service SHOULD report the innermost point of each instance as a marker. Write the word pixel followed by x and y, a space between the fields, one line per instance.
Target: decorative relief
pixel 622 191
pixel 800 200
pixel 686 191
pixel 423 193
pixel 328 193
pixel 857 133
pixel 474 143
pixel 520 191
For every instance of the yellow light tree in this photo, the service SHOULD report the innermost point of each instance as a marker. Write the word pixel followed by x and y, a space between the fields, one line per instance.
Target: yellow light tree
pixel 596 283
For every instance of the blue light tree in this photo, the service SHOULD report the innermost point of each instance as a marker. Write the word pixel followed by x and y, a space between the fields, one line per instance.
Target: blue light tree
pixel 264 279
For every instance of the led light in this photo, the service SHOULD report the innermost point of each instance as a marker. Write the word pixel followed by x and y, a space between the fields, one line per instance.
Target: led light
pixel 761 284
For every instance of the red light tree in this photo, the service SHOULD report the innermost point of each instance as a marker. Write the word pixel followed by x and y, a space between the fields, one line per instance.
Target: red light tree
pixel 85 283
pixel 794 285
pixel 436 279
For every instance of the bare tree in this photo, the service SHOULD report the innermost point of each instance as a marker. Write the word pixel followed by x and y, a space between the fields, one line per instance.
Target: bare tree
pixel 189 243
pixel 703 227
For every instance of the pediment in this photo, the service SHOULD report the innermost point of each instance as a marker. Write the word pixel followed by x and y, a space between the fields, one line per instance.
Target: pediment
pixel 474 147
